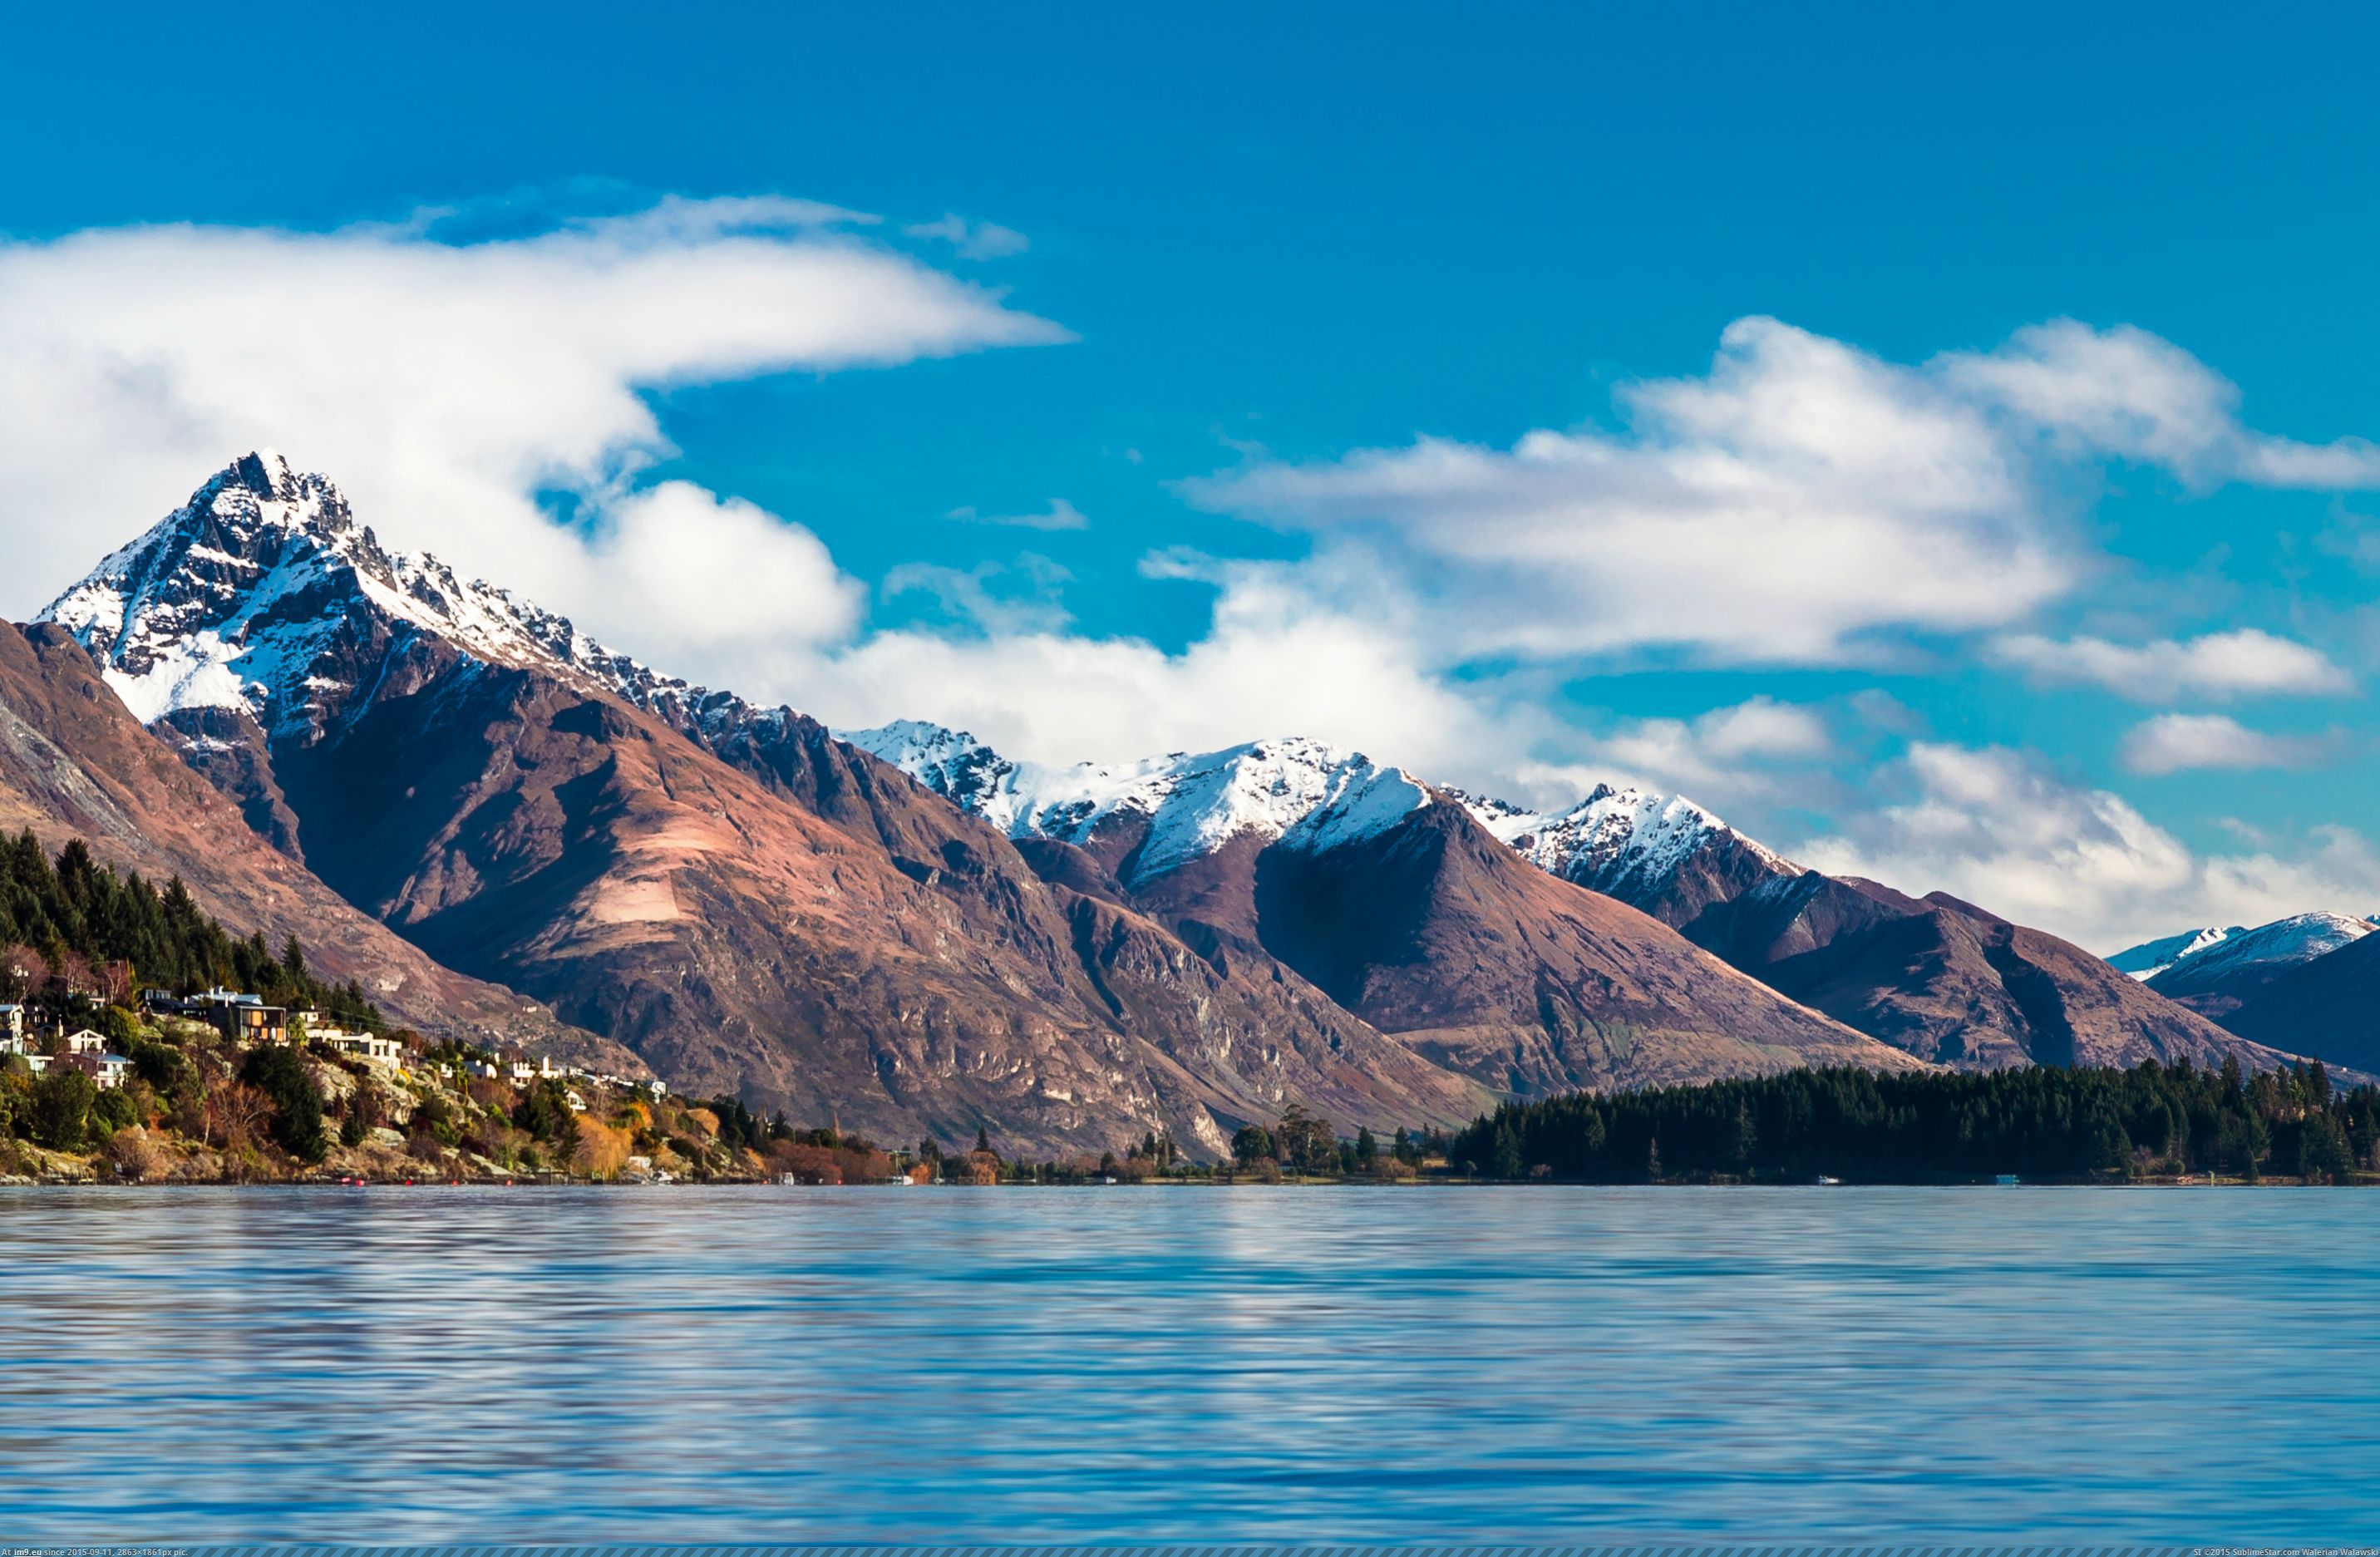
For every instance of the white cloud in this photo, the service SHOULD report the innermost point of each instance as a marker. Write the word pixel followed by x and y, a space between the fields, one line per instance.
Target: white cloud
pixel 1722 757
pixel 1060 515
pixel 1993 827
pixel 973 240
pixel 445 385
pixel 987 596
pixel 2127 393
pixel 2245 663
pixel 1271 664
pixel 1804 501
pixel 2173 742
pixel 1802 497
pixel 721 584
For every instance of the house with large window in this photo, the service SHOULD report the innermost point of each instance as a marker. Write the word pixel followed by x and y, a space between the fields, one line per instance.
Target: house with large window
pixel 244 1019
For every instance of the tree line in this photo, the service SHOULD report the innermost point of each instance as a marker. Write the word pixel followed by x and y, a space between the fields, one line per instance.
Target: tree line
pixel 1855 1125
pixel 73 928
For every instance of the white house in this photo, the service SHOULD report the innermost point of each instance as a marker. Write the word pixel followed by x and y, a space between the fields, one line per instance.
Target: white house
pixel 85 1043
pixel 363 1045
pixel 12 1025
pixel 107 1070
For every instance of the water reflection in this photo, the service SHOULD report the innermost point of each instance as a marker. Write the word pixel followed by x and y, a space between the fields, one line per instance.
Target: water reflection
pixel 1064 1365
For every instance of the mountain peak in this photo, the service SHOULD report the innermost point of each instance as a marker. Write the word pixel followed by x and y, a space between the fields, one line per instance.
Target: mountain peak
pixel 1624 841
pixel 260 490
pixel 265 473
pixel 1627 842
pixel 263 594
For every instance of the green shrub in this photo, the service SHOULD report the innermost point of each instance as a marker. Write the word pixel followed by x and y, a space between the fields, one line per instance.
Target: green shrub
pixel 60 1116
pixel 282 1076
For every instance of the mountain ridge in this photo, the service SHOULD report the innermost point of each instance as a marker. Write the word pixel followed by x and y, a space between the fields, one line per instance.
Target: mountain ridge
pixel 1934 976
pixel 908 931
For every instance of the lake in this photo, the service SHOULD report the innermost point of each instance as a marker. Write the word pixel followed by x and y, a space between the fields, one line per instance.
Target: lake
pixel 681 1364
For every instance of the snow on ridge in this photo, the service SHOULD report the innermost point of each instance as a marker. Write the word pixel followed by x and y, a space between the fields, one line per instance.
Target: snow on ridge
pixel 2150 959
pixel 1304 791
pixel 1371 802
pixel 240 599
pixel 2294 939
pixel 1615 836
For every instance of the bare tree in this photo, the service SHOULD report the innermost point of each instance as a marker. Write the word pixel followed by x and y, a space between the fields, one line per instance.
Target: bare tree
pixel 235 1115
pixel 135 1155
pixel 73 976
pixel 115 982
pixel 24 972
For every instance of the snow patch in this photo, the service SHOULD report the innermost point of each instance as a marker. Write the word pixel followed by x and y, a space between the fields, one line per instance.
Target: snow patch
pixel 2150 959
pixel 1193 803
pixel 1628 842
pixel 2283 943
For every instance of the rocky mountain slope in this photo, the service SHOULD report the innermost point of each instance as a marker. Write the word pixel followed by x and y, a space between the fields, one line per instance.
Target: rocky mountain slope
pixel 1952 982
pixel 1395 898
pixel 2328 1005
pixel 750 903
pixel 1067 957
pixel 75 764
pixel 1935 977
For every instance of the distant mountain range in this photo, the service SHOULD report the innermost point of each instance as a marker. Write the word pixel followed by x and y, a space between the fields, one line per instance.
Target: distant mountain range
pixel 1184 835
pixel 905 931
pixel 2309 977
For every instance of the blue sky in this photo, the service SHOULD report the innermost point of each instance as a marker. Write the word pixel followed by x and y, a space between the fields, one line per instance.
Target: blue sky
pixel 1261 240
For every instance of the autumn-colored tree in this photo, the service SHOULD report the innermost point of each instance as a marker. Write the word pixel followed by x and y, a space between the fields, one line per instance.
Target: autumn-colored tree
pixel 602 1148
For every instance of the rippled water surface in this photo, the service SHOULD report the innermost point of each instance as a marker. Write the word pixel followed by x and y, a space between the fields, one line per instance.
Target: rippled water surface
pixel 683 1364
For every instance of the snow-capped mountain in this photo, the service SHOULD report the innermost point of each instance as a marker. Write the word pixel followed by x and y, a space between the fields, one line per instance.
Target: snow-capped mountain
pixel 1630 844
pixel 2217 978
pixel 1935 977
pixel 769 911
pixel 1302 793
pixel 2150 959
pixel 1623 843
pixel 263 594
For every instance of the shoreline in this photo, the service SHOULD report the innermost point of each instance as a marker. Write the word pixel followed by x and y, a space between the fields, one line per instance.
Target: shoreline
pixel 2366 1180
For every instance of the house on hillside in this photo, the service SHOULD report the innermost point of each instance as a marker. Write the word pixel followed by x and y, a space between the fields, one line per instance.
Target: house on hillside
pixel 107 1070
pixel 166 1002
pixel 84 1042
pixel 362 1045
pixel 244 1019
pixel 12 1029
